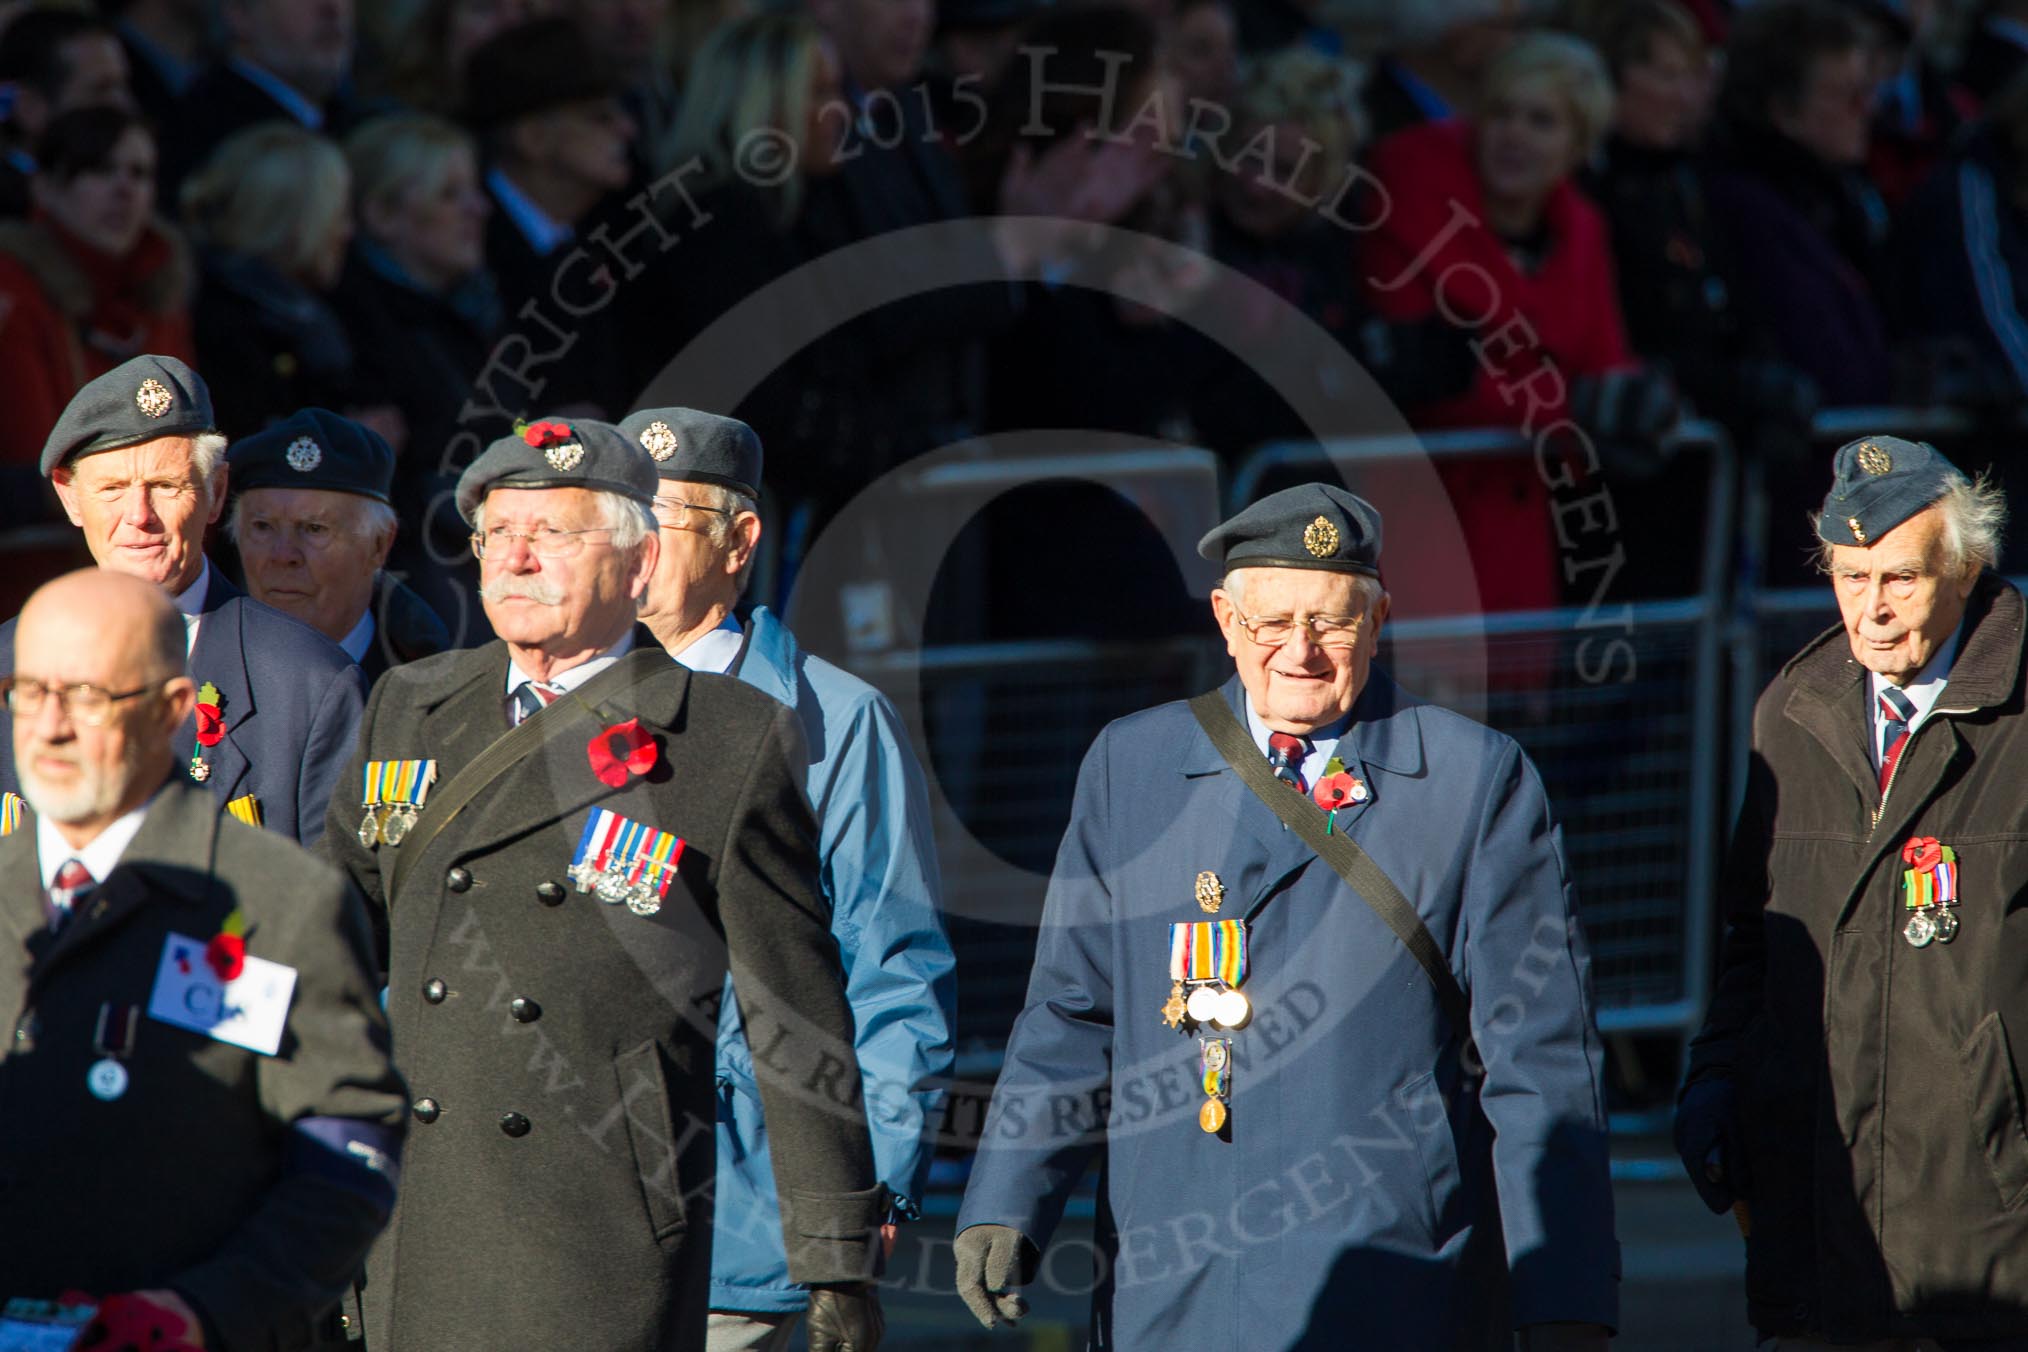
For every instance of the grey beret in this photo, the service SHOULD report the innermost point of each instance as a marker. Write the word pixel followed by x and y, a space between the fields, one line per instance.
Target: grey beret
pixel 314 448
pixel 686 443
pixel 1878 483
pixel 1318 526
pixel 139 400
pixel 559 453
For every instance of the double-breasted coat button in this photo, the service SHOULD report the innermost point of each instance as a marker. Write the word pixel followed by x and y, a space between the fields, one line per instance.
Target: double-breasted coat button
pixel 458 879
pixel 550 894
pixel 427 1111
pixel 524 1009
pixel 434 991
pixel 514 1124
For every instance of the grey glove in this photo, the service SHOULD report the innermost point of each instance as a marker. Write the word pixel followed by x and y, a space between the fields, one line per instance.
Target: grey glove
pixel 992 1261
pixel 846 1318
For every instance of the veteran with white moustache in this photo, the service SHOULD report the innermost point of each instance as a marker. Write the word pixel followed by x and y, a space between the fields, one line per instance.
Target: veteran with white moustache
pixel 571 840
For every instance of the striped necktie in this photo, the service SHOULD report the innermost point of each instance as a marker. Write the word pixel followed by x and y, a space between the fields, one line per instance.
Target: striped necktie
pixel 531 698
pixel 73 880
pixel 1897 711
pixel 1285 754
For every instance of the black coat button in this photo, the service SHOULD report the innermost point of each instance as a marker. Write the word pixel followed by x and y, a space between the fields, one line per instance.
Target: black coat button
pixel 524 1009
pixel 514 1124
pixel 427 1111
pixel 549 894
pixel 433 991
pixel 458 879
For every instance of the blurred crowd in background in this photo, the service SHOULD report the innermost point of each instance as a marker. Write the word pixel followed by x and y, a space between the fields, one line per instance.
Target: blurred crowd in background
pixel 1587 220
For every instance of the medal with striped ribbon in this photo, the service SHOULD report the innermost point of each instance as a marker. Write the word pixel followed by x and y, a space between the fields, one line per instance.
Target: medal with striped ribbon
pixel 622 860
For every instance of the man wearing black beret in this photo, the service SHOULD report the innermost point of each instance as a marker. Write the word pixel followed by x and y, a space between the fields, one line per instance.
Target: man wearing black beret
pixel 137 462
pixel 1855 1093
pixel 313 522
pixel 570 840
pixel 1310 975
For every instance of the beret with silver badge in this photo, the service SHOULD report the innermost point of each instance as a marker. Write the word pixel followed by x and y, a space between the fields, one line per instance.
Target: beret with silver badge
pixel 688 443
pixel 139 400
pixel 314 448
pixel 559 453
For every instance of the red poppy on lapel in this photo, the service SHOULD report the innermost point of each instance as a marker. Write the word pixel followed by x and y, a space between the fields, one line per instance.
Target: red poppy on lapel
pixel 1922 853
pixel 1334 791
pixel 621 750
pixel 226 953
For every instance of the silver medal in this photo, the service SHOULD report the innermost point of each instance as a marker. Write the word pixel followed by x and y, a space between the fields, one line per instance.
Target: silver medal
pixel 1921 928
pixel 1946 926
pixel 395 829
pixel 369 827
pixel 107 1079
pixel 611 888
pixel 642 898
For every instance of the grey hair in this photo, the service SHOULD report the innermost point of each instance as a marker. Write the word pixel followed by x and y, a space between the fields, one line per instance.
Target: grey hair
pixel 370 516
pixel 207 449
pixel 1369 588
pixel 1974 524
pixel 719 532
pixel 630 522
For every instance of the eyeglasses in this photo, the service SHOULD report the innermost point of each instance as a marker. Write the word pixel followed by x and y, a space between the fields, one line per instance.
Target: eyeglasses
pixel 83 703
pixel 683 510
pixel 543 543
pixel 1326 631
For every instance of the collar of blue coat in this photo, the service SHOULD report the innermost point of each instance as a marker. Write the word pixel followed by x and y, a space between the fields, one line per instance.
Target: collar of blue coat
pixel 769 664
pixel 1385 733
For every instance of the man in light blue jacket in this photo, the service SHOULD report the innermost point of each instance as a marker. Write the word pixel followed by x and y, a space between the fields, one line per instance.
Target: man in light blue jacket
pixel 879 865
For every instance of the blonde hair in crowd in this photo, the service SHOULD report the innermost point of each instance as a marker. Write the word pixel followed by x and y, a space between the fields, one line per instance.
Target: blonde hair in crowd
pixel 754 73
pixel 1570 66
pixel 401 155
pixel 274 192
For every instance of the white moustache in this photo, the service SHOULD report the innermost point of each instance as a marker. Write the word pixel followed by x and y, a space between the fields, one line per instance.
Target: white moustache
pixel 525 589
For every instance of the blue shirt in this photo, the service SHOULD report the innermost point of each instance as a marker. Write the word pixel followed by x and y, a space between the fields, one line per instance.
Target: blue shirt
pixel 544 235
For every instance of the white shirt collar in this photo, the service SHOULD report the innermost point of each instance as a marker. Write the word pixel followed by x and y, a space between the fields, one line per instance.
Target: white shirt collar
pixel 544 234
pixel 99 855
pixel 577 675
pixel 190 602
pixel 360 639
pixel 191 599
pixel 715 650
pixel 1922 692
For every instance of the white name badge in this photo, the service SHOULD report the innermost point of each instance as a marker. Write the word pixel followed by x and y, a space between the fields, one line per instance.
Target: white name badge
pixel 249 1011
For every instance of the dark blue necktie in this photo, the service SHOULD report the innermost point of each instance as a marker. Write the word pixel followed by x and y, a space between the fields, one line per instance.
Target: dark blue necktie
pixel 1897 711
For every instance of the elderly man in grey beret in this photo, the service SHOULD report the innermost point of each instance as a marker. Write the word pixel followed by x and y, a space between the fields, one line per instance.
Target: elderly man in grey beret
pixel 570 840
pixel 1855 1093
pixel 136 461
pixel 879 862
pixel 1310 975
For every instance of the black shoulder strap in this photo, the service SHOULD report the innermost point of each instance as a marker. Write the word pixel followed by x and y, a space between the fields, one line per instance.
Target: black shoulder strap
pixel 1346 859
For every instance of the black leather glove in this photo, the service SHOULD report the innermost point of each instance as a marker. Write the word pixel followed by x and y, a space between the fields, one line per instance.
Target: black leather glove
pixel 846 1318
pixel 992 1261
pixel 1708 1138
